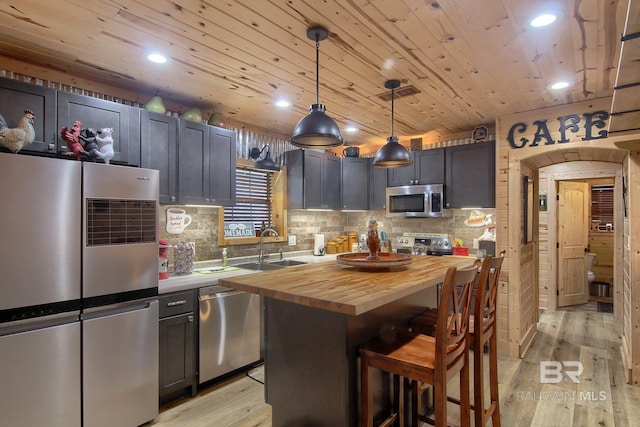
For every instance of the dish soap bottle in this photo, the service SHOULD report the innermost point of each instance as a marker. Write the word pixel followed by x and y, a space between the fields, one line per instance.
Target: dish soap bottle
pixel 225 261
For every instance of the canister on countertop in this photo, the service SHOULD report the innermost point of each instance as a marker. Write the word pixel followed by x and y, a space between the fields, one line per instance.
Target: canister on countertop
pixel 331 247
pixel 353 238
pixel 163 259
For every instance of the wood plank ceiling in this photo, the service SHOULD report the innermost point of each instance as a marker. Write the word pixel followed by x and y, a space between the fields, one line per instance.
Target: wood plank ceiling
pixel 470 60
pixel 625 107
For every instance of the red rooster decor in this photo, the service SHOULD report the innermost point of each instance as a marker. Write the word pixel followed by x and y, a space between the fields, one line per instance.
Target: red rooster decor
pixel 72 138
pixel 15 139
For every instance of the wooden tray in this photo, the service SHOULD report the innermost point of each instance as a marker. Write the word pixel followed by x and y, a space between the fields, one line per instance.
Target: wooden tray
pixel 385 260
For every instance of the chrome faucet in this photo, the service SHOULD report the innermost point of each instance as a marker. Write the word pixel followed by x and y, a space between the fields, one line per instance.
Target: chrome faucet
pixel 265 231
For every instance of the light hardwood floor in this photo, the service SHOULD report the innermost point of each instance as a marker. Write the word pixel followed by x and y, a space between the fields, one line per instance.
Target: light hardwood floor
pixel 602 398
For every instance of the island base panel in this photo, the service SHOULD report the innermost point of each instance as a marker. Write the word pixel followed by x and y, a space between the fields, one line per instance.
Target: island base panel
pixel 312 364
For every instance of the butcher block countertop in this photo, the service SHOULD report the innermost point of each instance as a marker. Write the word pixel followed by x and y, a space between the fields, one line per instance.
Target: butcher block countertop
pixel 347 290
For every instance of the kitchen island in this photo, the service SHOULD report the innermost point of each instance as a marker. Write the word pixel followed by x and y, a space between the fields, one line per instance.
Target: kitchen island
pixel 317 315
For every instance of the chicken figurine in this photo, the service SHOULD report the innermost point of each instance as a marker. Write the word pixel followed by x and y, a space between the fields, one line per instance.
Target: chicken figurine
pixel 100 144
pixel 72 138
pixel 15 139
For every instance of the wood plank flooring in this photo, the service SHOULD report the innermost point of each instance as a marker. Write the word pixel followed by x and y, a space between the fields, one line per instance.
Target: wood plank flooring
pixel 602 398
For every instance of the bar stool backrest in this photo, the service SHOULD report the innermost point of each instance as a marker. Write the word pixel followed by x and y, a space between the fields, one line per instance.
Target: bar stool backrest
pixel 452 329
pixel 487 293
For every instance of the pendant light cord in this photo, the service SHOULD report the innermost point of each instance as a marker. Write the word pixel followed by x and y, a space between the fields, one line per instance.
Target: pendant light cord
pixel 392 96
pixel 317 69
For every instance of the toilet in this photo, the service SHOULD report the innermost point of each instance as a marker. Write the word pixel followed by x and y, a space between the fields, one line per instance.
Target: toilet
pixel 590 275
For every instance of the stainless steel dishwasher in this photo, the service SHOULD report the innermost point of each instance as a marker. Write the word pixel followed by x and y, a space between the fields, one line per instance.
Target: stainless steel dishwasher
pixel 229 331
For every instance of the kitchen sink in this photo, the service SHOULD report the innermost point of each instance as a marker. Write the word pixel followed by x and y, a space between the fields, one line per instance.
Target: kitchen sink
pixel 287 263
pixel 258 267
pixel 270 265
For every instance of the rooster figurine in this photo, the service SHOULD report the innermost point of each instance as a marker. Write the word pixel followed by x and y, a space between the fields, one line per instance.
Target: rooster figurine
pixel 15 139
pixel 72 138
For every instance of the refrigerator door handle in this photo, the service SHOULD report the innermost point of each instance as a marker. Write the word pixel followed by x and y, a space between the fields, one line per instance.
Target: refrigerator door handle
pixel 109 310
pixel 33 324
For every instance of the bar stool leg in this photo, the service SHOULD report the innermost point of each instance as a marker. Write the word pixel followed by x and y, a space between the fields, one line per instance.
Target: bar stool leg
pixel 493 379
pixel 366 399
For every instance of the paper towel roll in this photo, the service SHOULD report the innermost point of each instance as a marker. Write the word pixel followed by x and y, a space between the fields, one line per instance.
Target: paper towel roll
pixel 318 244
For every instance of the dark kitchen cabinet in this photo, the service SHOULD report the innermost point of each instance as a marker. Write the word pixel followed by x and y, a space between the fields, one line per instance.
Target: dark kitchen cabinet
pixel 355 183
pixel 159 150
pixel 427 168
pixel 313 179
pixel 177 346
pixel 377 187
pixel 206 165
pixel 470 175
pixel 16 97
pixel 97 114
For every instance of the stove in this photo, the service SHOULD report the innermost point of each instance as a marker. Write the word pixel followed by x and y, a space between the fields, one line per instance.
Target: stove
pixel 425 244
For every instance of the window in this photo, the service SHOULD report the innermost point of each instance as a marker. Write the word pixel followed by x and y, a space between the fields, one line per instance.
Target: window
pixel 602 207
pixel 259 200
pixel 253 198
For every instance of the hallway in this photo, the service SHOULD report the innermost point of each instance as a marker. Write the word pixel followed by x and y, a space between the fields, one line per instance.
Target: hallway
pixel 580 333
pixel 602 398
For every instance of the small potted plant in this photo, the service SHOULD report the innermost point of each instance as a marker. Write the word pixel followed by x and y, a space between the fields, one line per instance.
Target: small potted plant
pixel 459 248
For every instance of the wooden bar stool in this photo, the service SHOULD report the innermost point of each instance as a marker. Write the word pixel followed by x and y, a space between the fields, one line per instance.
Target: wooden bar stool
pixel 430 360
pixel 482 328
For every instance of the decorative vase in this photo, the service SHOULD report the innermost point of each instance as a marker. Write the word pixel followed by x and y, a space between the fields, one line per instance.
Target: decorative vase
pixel 155 105
pixel 193 115
pixel 373 241
pixel 214 119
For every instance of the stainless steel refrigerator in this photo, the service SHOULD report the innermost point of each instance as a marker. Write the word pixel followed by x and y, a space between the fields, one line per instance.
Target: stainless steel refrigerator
pixel 78 293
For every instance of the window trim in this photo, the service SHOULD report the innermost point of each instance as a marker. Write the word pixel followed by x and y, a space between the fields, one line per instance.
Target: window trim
pixel 279 209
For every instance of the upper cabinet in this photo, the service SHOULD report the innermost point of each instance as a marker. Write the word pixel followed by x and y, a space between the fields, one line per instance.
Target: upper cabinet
pixel 470 176
pixel 206 165
pixel 313 179
pixel 16 97
pixel 98 114
pixel 355 183
pixel 377 187
pixel 427 168
pixel 159 150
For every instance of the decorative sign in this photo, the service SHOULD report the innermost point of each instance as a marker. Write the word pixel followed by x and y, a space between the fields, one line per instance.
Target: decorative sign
pixel 480 134
pixel 566 124
pixel 239 229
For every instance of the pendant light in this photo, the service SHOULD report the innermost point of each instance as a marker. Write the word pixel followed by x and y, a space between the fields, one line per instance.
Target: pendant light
pixel 392 154
pixel 266 163
pixel 316 129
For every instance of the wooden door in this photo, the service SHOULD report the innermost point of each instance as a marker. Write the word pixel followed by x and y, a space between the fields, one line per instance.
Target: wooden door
pixel 573 238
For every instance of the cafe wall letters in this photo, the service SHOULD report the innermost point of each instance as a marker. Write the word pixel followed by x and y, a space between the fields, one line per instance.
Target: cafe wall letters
pixel 540 131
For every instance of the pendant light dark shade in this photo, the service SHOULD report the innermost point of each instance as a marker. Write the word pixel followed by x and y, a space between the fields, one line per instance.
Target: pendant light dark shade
pixel 392 154
pixel 316 129
pixel 265 164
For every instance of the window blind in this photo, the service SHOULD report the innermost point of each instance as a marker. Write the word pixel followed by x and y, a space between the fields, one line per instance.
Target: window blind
pixel 253 198
pixel 602 204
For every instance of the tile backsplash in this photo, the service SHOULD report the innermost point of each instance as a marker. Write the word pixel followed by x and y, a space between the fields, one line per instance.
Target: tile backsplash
pixel 203 229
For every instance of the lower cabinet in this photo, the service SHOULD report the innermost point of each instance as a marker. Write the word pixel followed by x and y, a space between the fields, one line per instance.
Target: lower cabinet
pixel 177 346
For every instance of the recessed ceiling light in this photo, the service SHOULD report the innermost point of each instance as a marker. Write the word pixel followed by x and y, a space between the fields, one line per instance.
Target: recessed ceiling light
pixel 156 57
pixel 283 103
pixel 559 85
pixel 351 129
pixel 543 19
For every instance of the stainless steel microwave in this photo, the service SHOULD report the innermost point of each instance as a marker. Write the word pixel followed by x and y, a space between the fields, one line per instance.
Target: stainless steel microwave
pixel 416 201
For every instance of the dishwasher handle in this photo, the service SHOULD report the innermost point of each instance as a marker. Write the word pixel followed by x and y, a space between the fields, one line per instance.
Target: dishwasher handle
pixel 219 295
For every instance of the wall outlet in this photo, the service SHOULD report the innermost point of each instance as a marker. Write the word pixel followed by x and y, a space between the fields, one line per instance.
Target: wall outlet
pixel 292 240
pixel 476 244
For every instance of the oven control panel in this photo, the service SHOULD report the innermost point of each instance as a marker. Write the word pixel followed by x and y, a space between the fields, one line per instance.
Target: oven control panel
pixel 425 244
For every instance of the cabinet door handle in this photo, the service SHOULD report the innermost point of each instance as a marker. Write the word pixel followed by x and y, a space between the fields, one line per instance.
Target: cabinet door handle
pixel 178 302
pixel 190 319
